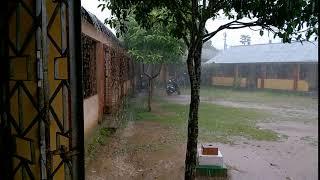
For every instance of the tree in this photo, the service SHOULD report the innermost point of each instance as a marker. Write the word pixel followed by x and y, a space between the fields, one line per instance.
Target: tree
pixel 245 39
pixel 152 47
pixel 208 51
pixel 186 19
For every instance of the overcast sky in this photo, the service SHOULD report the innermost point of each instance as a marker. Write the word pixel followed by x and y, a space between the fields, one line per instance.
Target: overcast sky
pixel 233 36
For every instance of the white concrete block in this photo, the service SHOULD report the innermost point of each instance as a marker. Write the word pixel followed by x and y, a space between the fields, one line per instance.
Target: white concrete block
pixel 216 160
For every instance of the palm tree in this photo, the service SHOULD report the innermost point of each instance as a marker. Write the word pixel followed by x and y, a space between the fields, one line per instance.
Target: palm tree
pixel 245 39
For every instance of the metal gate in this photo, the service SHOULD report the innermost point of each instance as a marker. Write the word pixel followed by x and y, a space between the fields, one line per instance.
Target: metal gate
pixel 41 93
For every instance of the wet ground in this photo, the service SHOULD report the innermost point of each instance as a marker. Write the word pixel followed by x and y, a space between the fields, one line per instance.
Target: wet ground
pixel 150 150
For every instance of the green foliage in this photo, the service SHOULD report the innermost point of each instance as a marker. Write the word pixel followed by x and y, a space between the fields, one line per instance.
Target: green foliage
pixel 185 19
pixel 152 46
pixel 99 138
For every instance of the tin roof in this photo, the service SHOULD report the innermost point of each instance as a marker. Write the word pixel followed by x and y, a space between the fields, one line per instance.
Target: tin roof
pixel 269 53
pixel 92 19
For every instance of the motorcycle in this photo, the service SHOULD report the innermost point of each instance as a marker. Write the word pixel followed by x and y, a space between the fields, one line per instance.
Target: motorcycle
pixel 172 87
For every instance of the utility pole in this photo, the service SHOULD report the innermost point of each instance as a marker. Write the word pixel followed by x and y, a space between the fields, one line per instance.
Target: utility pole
pixel 225 40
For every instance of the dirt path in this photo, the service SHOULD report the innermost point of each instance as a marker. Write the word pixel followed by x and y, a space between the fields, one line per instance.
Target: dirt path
pixel 143 150
pixel 150 150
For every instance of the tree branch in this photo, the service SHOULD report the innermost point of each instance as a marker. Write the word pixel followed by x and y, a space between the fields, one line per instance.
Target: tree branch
pixel 236 25
pixel 180 12
pixel 151 76
pixel 185 39
pixel 213 7
pixel 155 75
pixel 145 73
pixel 210 35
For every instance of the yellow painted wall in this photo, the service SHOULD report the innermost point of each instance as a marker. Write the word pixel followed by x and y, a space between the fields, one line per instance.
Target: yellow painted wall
pixel 222 81
pixel 243 82
pixel 227 81
pixel 283 84
pixel 303 85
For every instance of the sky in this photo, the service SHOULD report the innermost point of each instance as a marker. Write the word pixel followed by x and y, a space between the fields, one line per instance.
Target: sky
pixel 233 36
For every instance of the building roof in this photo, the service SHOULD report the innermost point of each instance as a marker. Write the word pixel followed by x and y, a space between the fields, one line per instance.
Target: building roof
pixel 208 53
pixel 92 19
pixel 269 53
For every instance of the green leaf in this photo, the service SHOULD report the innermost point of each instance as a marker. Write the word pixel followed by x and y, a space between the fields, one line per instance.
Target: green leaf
pixel 261 32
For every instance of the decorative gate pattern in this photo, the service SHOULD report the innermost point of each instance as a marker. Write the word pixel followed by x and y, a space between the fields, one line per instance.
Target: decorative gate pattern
pixel 59 143
pixel 24 115
pixel 39 95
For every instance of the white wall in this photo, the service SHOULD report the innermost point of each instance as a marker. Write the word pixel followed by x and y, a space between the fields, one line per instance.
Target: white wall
pixel 91 113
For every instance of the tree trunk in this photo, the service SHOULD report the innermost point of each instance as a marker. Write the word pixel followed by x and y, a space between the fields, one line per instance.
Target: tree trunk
pixel 151 77
pixel 149 94
pixel 194 69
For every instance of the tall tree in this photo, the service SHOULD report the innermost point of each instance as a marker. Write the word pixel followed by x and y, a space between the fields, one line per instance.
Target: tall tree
pixel 153 48
pixel 186 19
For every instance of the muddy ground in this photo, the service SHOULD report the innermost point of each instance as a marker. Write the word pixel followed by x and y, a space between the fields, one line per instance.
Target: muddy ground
pixel 150 150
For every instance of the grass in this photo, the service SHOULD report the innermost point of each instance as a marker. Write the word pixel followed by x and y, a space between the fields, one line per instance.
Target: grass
pixel 311 140
pixel 102 133
pixel 99 138
pixel 216 123
pixel 258 96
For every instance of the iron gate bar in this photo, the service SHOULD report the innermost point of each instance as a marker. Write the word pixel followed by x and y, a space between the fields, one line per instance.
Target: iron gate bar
pixel 43 121
pixel 63 16
pixel 18 26
pixel 5 143
pixel 55 93
pixel 10 120
pixel 52 18
pixel 35 23
pixel 76 89
pixel 56 118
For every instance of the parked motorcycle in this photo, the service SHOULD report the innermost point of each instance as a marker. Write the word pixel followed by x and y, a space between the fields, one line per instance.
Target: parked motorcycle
pixel 172 87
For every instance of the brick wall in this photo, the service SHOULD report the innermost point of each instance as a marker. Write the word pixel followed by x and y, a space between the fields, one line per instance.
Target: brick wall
pixel 100 77
pixel 89 66
pixel 109 74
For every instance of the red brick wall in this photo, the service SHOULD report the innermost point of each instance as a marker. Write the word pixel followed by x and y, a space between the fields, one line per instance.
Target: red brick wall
pixel 118 78
pixel 100 77
pixel 113 79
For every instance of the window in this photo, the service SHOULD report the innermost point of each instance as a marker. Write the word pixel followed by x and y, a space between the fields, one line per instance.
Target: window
pixel 89 66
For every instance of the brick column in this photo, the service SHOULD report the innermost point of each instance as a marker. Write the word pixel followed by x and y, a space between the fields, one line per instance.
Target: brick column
pixel 296 72
pixel 100 78
pixel 108 77
pixel 236 75
pixel 263 75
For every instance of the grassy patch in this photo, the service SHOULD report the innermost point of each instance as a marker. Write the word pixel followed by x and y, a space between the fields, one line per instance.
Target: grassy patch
pixel 259 96
pixel 218 123
pixel 98 139
pixel 102 133
pixel 311 140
